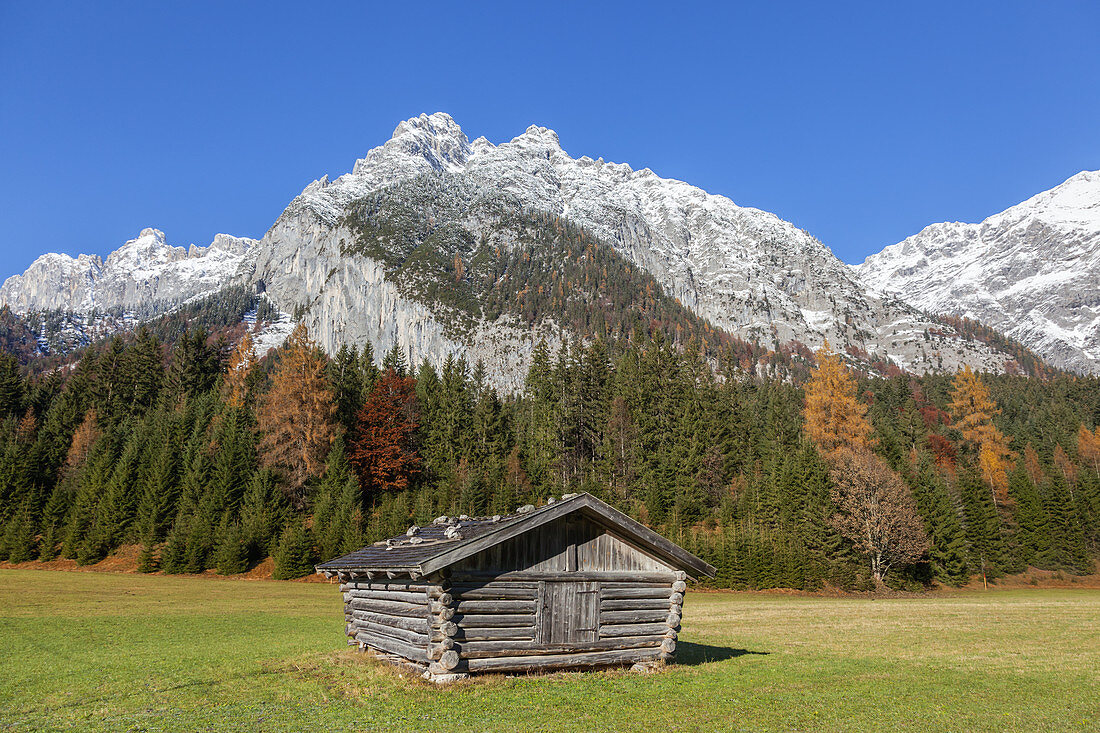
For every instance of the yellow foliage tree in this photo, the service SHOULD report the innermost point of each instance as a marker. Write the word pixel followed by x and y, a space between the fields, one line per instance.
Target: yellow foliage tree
pixel 295 416
pixel 835 418
pixel 972 410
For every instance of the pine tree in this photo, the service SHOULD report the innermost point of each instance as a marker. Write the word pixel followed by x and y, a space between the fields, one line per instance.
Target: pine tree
pixel 263 512
pixel 337 515
pixel 294 556
pixel 230 548
pixel 11 386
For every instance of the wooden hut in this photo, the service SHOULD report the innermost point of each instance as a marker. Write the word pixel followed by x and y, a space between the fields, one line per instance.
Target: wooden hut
pixel 572 584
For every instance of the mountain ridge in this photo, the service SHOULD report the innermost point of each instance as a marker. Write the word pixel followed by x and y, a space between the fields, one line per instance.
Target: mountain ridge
pixel 1031 271
pixel 743 270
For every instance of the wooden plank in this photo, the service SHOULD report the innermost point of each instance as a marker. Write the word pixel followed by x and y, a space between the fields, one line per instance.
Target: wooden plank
pixel 419 625
pixel 409 637
pixel 419 598
pixel 521 633
pixel 393 646
pixel 599 576
pixel 485 620
pixel 522 591
pixel 564 661
pixel 634 604
pixel 607 630
pixel 641 616
pixel 417 587
pixel 496 606
pixel 394 608
pixel 482 649
pixel 609 591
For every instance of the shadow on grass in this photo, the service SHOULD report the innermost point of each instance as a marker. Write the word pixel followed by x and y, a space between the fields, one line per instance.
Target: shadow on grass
pixel 690 654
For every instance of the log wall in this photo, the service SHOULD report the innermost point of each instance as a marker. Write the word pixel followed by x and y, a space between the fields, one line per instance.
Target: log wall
pixel 476 624
pixel 566 594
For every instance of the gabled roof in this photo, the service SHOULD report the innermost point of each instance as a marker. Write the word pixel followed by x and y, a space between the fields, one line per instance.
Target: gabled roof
pixel 435 550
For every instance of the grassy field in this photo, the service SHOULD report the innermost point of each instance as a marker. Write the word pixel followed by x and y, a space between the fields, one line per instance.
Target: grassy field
pixel 98 651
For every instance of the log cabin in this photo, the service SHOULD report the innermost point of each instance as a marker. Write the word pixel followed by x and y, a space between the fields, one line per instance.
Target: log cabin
pixel 570 585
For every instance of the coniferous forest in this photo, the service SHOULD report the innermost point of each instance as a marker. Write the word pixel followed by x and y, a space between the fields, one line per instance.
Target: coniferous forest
pixel 209 458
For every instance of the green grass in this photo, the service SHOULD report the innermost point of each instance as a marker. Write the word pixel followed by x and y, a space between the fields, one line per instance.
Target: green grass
pixel 96 651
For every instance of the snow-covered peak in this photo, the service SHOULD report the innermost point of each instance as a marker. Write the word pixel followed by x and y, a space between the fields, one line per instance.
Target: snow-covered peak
pixel 421 144
pixel 541 138
pixel 745 270
pixel 1032 271
pixel 1074 204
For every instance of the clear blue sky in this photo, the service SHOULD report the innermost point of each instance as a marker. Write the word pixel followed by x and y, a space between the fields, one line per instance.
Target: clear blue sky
pixel 858 122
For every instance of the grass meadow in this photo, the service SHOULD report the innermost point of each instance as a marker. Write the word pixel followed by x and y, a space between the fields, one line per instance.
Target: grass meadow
pixel 102 651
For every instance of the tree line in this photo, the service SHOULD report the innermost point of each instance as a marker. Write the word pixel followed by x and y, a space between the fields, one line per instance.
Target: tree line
pixel 207 457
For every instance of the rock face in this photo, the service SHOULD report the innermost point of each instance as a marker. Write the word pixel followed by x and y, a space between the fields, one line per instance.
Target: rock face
pixel 145 274
pixel 1031 271
pixel 744 270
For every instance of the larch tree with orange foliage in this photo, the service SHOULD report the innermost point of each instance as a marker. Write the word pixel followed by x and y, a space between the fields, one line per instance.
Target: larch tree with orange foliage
pixel 86 434
pixel 972 410
pixel 238 375
pixel 1088 447
pixel 296 416
pixel 834 416
pixel 382 449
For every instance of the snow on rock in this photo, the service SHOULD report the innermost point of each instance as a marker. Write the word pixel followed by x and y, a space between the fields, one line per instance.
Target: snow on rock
pixel 745 270
pixel 1031 271
pixel 144 273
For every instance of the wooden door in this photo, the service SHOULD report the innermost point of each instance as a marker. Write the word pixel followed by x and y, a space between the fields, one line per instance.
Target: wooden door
pixel 569 611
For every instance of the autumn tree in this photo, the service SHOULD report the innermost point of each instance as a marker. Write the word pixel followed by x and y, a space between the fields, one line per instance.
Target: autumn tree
pixel 382 449
pixel 295 417
pixel 86 434
pixel 972 410
pixel 239 372
pixel 835 418
pixel 1088 447
pixel 876 511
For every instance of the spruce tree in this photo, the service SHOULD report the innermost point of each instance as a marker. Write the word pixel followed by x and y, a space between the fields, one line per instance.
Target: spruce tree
pixel 294 556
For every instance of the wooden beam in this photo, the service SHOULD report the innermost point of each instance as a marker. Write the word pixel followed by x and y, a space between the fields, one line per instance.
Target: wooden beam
pixel 632 629
pixel 392 646
pixel 497 606
pixel 482 649
pixel 395 608
pixel 491 620
pixel 520 633
pixel 564 661
pixel 419 625
pixel 608 576
pixel 638 616
pixel 388 595
pixel 634 604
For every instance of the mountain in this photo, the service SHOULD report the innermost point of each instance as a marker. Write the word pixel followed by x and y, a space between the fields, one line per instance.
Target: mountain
pixel 743 270
pixel 144 274
pixel 1031 271
pixel 428 244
